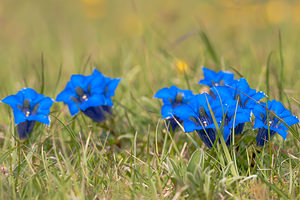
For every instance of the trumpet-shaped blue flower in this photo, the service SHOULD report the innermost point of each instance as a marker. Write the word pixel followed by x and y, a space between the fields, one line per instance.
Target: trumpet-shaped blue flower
pixel 91 94
pixel 196 116
pixel 212 78
pixel 265 119
pixel 28 107
pixel 239 90
pixel 235 116
pixel 172 97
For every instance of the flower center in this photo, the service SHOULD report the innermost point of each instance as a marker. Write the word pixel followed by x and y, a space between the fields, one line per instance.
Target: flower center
pixel 178 100
pixel 27 113
pixel 28 109
pixel 82 95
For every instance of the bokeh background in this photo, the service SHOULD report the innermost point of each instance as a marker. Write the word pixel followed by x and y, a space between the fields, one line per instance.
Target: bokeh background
pixel 150 44
pixel 142 42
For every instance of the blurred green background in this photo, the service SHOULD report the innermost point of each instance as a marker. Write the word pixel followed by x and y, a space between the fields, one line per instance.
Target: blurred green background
pixel 150 45
pixel 141 41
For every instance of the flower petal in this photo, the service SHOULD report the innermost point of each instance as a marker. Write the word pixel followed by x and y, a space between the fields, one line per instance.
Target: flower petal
pixel 19 116
pixel 13 101
pixel 166 111
pixel 40 118
pixel 93 101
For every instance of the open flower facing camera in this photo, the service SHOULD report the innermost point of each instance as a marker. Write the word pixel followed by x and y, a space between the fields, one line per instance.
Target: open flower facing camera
pixel 196 116
pixel 28 108
pixel 172 97
pixel 212 78
pixel 91 94
pixel 266 120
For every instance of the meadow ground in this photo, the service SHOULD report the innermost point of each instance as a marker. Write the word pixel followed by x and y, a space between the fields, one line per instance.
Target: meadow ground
pixel 132 155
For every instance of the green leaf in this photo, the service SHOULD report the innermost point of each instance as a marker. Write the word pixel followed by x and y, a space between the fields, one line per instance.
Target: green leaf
pixel 195 161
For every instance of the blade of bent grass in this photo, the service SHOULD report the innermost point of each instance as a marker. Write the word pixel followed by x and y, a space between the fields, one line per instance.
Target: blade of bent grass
pixel 210 48
pixel 223 144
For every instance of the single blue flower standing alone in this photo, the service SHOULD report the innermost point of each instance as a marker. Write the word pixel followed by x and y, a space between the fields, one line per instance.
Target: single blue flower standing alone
pixel 28 107
pixel 265 120
pixel 172 97
pixel 212 78
pixel 91 94
pixel 196 116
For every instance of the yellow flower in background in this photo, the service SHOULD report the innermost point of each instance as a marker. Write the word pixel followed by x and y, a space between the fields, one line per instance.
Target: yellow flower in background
pixel 278 11
pixel 181 66
pixel 94 9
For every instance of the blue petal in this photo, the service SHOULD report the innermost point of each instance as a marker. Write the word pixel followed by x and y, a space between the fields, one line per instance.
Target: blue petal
pixel 226 133
pixel 108 102
pixel 40 118
pixel 97 74
pixel 190 126
pixel 166 111
pixel 93 101
pixel 276 106
pixel 164 93
pixel 113 84
pixel 99 84
pixel 19 116
pixel 241 117
pixel 81 81
pixel 291 120
pixel 243 84
pixel 258 124
pixel 184 112
pixel 284 114
pixel 259 95
pixel 29 93
pixel 13 101
pixel 45 105
pixel 65 95
pixel 73 108
pixel 258 109
pixel 282 133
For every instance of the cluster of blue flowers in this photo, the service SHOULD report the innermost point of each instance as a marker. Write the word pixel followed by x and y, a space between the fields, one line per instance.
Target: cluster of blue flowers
pixel 227 106
pixel 88 94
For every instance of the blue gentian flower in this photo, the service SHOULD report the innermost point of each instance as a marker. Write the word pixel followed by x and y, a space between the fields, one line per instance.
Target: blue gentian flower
pixel 196 116
pixel 263 118
pixel 172 97
pixel 239 90
pixel 235 116
pixel 212 78
pixel 28 107
pixel 91 94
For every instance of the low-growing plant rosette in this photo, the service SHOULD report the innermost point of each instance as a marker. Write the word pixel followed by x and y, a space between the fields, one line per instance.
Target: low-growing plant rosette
pixel 90 94
pixel 29 107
